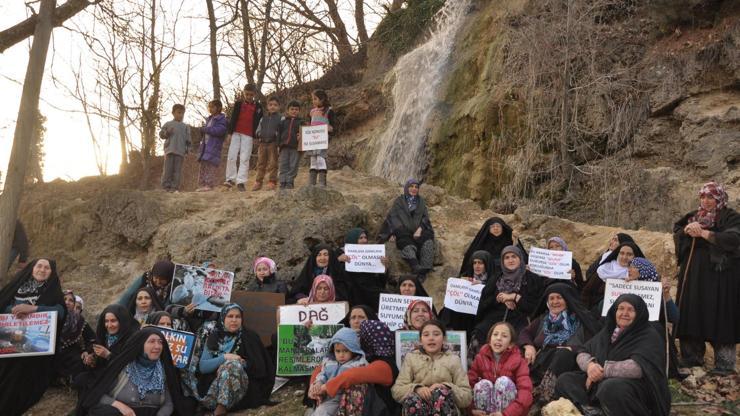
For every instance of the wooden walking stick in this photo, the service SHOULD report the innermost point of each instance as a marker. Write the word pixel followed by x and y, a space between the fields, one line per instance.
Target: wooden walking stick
pixel 686 273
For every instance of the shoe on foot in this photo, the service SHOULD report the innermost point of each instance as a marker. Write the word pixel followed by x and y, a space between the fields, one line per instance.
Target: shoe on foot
pixel 241 188
pixel 229 184
pixel 271 186
pixel 257 186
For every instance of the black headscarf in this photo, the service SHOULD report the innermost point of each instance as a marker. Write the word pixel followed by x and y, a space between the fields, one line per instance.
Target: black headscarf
pixel 420 291
pixel 49 293
pixel 126 326
pixel 484 240
pixel 487 260
pixel 304 282
pixel 573 304
pixel 154 317
pixel 166 269
pixel 133 349
pixel 615 253
pixel 640 342
pixel 156 304
pixel 353 235
pixel 369 312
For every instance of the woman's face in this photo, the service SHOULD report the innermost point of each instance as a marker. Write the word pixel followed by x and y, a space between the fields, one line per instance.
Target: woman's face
pixel 500 339
pixel 496 229
pixel 143 301
pixel 322 292
pixel 153 347
pixel 262 271
pixel 41 270
pixel 420 314
pixel 625 314
pixel 432 339
pixel 555 246
pixel 322 259
pixel 556 303
pixel 362 239
pixel 625 256
pixel 165 321
pixel 708 202
pixel 233 320
pixel 478 267
pixel 511 261
pixel 356 316
pixel 69 302
pixel 413 189
pixel 407 288
pixel 160 282
pixel 111 324
pixel 613 243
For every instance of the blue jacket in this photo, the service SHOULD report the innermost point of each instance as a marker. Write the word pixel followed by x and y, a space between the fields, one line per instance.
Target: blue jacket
pixel 211 145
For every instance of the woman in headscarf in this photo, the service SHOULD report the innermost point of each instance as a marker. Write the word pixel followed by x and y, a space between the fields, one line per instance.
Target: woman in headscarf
pixel 234 371
pixel 365 287
pixel 492 237
pixel 416 314
pixel 158 278
pixel 479 272
pixel 75 342
pixel 409 285
pixel 708 250
pixel 35 288
pixel 408 224
pixel 322 261
pixel 357 315
pixel 616 264
pixel 265 277
pixel 576 274
pixel 159 318
pixel 622 367
pixel 561 325
pixel 141 380
pixel 322 290
pixel 593 290
pixel 511 297
pixel 144 303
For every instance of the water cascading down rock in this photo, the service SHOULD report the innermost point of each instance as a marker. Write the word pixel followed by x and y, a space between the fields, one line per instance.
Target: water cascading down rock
pixel 418 78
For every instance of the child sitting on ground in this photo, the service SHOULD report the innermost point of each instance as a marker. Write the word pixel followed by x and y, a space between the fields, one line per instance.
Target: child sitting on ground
pixel 344 353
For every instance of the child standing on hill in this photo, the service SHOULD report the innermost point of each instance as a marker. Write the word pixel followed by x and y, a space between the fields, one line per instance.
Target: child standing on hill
pixel 288 136
pixel 211 145
pixel 267 141
pixel 176 135
pixel 321 113
pixel 244 121
pixel 344 353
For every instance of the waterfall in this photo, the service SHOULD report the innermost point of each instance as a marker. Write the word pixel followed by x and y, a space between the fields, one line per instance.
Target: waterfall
pixel 401 150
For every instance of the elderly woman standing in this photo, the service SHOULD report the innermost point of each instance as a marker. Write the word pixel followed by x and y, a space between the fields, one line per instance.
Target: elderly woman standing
pixel 408 224
pixel 708 250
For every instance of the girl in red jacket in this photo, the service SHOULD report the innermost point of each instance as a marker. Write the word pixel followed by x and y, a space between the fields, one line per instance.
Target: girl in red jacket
pixel 500 376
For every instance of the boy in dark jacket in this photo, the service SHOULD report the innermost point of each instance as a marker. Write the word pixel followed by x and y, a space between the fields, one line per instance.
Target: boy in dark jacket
pixel 245 118
pixel 267 150
pixel 289 136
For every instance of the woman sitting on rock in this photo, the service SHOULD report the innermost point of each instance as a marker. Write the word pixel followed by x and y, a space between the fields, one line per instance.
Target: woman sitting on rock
pixel 141 380
pixel 323 261
pixel 550 342
pixel 322 291
pixel 144 303
pixel 492 237
pixel 408 224
pixel 616 264
pixel 477 273
pixel 23 380
pixel 622 367
pixel 593 290
pixel 576 274
pixel 417 313
pixel 158 278
pixel 265 277
pixel 75 342
pixel 365 287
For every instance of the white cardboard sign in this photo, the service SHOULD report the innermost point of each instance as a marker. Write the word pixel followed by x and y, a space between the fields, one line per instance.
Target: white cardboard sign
pixel 392 308
pixel 462 296
pixel 315 137
pixel 318 313
pixel 650 292
pixel 364 258
pixel 551 263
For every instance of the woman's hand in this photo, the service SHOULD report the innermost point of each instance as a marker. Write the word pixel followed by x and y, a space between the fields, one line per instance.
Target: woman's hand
pixel 417 233
pixel 572 275
pixel 529 353
pixel 344 258
pixel 437 386
pixel 392 238
pixel 694 230
pixel 666 288
pixel 384 261
pixel 125 410
pixel 88 359
pixel 302 301
pixel 190 309
pixel 23 310
pixel 314 392
pixel 595 373
pixel 308 324
pixel 101 351
pixel 424 392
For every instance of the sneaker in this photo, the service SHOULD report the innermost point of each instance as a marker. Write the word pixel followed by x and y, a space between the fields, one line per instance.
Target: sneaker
pixel 271 186
pixel 241 188
pixel 257 186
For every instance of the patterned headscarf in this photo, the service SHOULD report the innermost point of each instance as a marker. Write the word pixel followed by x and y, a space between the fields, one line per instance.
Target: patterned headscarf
pixel 221 340
pixel 265 260
pixel 705 217
pixel 411 201
pixel 412 305
pixel 510 281
pixel 322 278
pixel 559 329
pixel 376 339
pixel 646 268
pixel 146 375
pixel 558 240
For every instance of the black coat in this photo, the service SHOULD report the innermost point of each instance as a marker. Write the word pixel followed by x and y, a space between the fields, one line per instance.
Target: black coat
pixel 484 240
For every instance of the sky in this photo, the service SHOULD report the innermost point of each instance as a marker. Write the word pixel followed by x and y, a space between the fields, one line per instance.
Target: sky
pixel 70 153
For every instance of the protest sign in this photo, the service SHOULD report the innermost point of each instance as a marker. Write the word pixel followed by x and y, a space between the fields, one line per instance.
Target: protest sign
pixel 260 312
pixel 391 308
pixel 33 335
pixel 209 289
pixel 364 258
pixel 462 296
pixel 456 342
pixel 650 292
pixel 318 313
pixel 301 349
pixel 551 263
pixel 181 345
pixel 315 137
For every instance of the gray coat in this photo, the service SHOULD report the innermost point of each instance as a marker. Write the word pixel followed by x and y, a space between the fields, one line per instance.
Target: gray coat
pixel 178 141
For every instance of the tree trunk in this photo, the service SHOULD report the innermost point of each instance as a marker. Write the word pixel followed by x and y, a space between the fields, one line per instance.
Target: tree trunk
pixel 24 29
pixel 360 21
pixel 341 38
pixel 24 130
pixel 216 80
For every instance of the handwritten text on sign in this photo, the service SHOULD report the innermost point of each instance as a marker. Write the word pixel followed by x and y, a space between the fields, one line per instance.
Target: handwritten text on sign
pixel 181 345
pixel 318 313
pixel 315 137
pixel 551 263
pixel 650 292
pixel 365 258
pixel 392 308
pixel 462 296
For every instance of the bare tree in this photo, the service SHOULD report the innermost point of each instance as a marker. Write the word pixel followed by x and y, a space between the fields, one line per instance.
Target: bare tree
pixel 213 32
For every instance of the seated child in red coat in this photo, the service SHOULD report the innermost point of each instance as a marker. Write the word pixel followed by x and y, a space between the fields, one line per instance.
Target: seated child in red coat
pixel 500 376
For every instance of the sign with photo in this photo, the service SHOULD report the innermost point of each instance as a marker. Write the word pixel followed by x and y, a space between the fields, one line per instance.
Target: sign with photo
pixel 208 289
pixel 456 341
pixel 301 349
pixel 33 335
